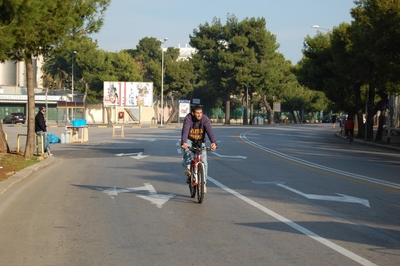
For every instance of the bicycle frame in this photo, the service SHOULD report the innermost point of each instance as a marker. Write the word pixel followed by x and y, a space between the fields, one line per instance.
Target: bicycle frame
pixel 196 160
pixel 198 179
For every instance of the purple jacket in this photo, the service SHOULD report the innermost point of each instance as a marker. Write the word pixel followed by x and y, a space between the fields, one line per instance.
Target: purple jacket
pixel 194 129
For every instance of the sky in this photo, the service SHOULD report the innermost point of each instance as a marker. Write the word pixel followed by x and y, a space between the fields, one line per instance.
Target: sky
pixel 128 21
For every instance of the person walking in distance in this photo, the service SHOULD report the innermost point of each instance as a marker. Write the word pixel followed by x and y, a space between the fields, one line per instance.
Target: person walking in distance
pixel 333 120
pixel 195 127
pixel 349 128
pixel 41 128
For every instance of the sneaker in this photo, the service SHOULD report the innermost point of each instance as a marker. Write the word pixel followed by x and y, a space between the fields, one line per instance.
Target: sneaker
pixel 49 153
pixel 186 170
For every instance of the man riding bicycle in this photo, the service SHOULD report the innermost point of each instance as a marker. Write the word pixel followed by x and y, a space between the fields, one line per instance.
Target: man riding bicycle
pixel 349 127
pixel 195 127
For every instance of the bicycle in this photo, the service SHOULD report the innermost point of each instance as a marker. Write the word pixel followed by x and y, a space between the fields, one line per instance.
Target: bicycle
pixel 197 173
pixel 350 136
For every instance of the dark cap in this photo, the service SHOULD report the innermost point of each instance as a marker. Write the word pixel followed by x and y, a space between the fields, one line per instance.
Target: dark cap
pixel 41 108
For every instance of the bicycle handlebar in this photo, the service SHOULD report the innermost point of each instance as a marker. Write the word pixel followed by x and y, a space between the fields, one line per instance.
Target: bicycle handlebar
pixel 196 149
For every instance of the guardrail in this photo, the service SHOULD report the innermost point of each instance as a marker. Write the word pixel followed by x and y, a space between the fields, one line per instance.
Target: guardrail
pixel 38 137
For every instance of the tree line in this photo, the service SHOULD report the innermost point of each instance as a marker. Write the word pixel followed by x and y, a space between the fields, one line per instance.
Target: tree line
pixel 357 64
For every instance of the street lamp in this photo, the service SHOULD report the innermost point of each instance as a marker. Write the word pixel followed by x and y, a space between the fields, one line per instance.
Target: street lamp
pixel 72 83
pixel 162 79
pixel 319 28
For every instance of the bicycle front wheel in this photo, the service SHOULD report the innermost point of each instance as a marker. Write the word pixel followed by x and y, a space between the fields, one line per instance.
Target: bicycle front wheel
pixel 200 185
pixel 192 187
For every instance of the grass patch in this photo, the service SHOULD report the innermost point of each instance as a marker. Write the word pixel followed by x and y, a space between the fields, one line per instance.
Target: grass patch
pixel 11 163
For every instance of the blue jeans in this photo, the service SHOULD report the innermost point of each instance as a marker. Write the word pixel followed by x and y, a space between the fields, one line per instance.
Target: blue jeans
pixel 45 139
pixel 187 158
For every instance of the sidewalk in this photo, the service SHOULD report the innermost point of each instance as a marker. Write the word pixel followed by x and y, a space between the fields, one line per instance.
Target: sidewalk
pixel 393 145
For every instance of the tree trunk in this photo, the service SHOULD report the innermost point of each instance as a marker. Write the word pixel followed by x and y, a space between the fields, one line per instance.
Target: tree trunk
pixel 251 112
pixel 86 91
pixel 245 111
pixel 174 109
pixel 381 106
pixel 359 108
pixel 379 132
pixel 360 123
pixel 30 140
pixel 370 115
pixel 3 143
pixel 269 109
pixel 228 109
pixel 293 116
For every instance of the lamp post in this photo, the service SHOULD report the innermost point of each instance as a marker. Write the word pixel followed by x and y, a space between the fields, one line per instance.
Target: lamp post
pixel 319 28
pixel 162 79
pixel 72 83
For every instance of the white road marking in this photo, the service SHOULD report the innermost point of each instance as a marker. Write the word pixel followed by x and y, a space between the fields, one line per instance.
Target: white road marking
pixel 342 198
pixel 321 167
pixel 126 154
pixel 230 156
pixel 152 196
pixel 295 226
pixel 139 156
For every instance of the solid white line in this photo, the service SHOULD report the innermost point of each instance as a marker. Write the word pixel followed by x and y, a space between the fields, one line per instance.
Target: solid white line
pixel 295 226
pixel 318 166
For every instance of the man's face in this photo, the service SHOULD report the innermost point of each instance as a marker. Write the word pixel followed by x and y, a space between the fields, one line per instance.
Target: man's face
pixel 198 114
pixel 43 111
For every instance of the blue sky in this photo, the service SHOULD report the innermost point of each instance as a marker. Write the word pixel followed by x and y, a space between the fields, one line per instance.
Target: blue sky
pixel 128 21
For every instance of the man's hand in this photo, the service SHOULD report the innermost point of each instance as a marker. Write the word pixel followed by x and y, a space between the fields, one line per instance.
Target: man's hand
pixel 184 146
pixel 213 146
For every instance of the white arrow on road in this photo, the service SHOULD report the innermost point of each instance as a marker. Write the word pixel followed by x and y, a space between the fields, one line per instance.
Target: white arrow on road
pixel 152 196
pixel 139 156
pixel 230 156
pixel 342 198
pixel 127 154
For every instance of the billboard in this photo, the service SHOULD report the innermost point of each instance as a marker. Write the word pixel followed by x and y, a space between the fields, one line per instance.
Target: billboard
pixel 127 93
pixel 184 108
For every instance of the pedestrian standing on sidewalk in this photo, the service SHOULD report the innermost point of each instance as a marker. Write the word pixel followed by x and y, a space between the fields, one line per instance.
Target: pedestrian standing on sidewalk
pixel 333 120
pixel 41 129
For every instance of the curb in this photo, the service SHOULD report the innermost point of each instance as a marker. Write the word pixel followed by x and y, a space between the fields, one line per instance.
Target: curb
pixel 368 143
pixel 25 173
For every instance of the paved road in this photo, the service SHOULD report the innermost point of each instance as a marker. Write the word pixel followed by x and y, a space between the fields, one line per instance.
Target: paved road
pixel 277 195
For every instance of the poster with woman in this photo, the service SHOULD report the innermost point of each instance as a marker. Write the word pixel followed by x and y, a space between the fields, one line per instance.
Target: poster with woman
pixel 130 94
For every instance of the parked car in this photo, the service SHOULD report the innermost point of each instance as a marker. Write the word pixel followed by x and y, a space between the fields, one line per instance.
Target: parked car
pixel 327 119
pixel 14 118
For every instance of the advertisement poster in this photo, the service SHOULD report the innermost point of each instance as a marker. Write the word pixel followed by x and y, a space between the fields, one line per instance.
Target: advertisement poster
pixel 129 94
pixel 184 108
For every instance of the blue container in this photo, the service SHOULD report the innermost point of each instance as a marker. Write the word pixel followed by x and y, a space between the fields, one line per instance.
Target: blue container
pixel 79 123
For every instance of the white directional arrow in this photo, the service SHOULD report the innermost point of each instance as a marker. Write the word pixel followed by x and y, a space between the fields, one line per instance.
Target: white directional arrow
pixel 151 140
pixel 230 156
pixel 342 198
pixel 127 154
pixel 139 156
pixel 153 196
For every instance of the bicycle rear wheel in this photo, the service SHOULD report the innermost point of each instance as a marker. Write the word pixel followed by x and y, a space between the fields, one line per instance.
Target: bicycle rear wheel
pixel 192 188
pixel 350 138
pixel 200 185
